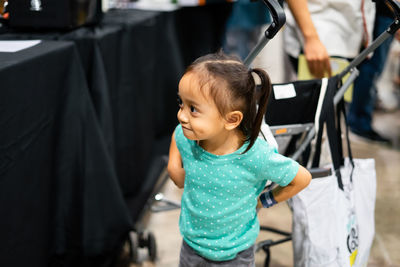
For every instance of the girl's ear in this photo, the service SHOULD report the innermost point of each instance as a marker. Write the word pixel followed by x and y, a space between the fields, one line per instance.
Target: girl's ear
pixel 233 119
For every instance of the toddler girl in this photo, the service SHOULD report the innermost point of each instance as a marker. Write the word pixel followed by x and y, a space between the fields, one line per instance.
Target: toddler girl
pixel 217 157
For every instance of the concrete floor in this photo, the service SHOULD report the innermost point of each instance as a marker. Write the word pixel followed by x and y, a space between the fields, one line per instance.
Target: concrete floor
pixel 385 251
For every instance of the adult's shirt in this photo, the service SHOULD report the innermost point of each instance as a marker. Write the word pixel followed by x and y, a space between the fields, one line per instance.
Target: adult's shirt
pixel 339 23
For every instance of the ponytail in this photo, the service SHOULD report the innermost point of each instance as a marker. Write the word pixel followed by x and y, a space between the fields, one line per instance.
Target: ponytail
pixel 260 98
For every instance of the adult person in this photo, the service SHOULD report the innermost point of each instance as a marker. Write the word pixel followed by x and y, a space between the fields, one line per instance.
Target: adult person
pixel 364 93
pixel 243 30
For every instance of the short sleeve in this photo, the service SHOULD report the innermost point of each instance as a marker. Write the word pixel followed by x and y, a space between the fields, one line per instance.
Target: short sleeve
pixel 179 137
pixel 183 144
pixel 278 168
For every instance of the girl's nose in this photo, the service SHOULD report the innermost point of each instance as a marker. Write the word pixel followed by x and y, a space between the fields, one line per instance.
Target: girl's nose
pixel 182 117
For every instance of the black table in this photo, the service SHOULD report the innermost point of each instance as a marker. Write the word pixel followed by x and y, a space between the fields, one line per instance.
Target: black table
pixel 133 61
pixel 60 201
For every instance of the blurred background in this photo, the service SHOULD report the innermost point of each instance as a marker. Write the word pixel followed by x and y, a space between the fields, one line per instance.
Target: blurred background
pixel 87 113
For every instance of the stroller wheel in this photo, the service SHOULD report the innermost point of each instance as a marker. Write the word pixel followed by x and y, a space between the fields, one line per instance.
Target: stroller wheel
pixel 134 247
pixel 152 246
pixel 147 240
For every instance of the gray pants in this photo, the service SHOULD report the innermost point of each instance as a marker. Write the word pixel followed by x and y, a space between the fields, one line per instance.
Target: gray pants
pixel 189 258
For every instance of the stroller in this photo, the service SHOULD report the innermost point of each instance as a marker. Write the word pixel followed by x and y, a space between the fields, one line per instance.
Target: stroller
pixel 294 131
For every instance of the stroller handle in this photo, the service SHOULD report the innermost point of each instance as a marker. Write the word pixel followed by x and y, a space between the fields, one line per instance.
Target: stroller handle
pixel 394 6
pixel 278 20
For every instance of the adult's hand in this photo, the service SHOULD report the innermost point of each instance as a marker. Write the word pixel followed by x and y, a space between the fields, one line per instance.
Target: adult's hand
pixel 317 58
pixel 315 52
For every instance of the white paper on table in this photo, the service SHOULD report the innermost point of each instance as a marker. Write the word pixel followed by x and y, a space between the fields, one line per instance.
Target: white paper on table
pixel 153 5
pixel 188 2
pixel 15 46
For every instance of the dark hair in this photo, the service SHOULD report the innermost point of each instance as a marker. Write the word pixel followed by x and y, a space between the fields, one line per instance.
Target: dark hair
pixel 232 86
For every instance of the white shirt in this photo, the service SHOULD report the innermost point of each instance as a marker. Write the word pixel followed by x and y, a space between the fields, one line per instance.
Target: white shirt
pixel 339 24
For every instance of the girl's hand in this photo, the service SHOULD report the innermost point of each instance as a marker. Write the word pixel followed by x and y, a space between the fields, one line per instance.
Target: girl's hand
pixel 259 204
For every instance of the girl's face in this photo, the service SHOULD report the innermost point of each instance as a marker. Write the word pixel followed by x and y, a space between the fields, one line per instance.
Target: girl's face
pixel 198 114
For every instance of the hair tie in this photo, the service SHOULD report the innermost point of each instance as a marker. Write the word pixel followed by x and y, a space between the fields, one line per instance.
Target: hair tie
pixel 257 80
pixel 251 71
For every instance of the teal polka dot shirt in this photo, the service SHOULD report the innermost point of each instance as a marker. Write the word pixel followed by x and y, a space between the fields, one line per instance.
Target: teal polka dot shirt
pixel 218 214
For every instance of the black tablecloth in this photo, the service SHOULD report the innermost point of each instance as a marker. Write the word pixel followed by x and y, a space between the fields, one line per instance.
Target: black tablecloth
pixel 60 201
pixel 133 62
pixel 94 132
pixel 118 62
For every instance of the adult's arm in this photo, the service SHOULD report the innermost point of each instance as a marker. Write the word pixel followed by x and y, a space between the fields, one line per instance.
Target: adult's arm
pixel 315 52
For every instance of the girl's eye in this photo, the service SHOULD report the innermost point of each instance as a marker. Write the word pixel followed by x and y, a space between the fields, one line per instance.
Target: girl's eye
pixel 180 103
pixel 193 109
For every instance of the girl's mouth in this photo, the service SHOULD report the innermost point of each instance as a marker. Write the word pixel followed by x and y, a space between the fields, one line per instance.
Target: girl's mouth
pixel 185 128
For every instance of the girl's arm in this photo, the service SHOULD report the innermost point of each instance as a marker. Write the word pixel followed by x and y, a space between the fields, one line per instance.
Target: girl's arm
pixel 299 182
pixel 282 193
pixel 175 166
